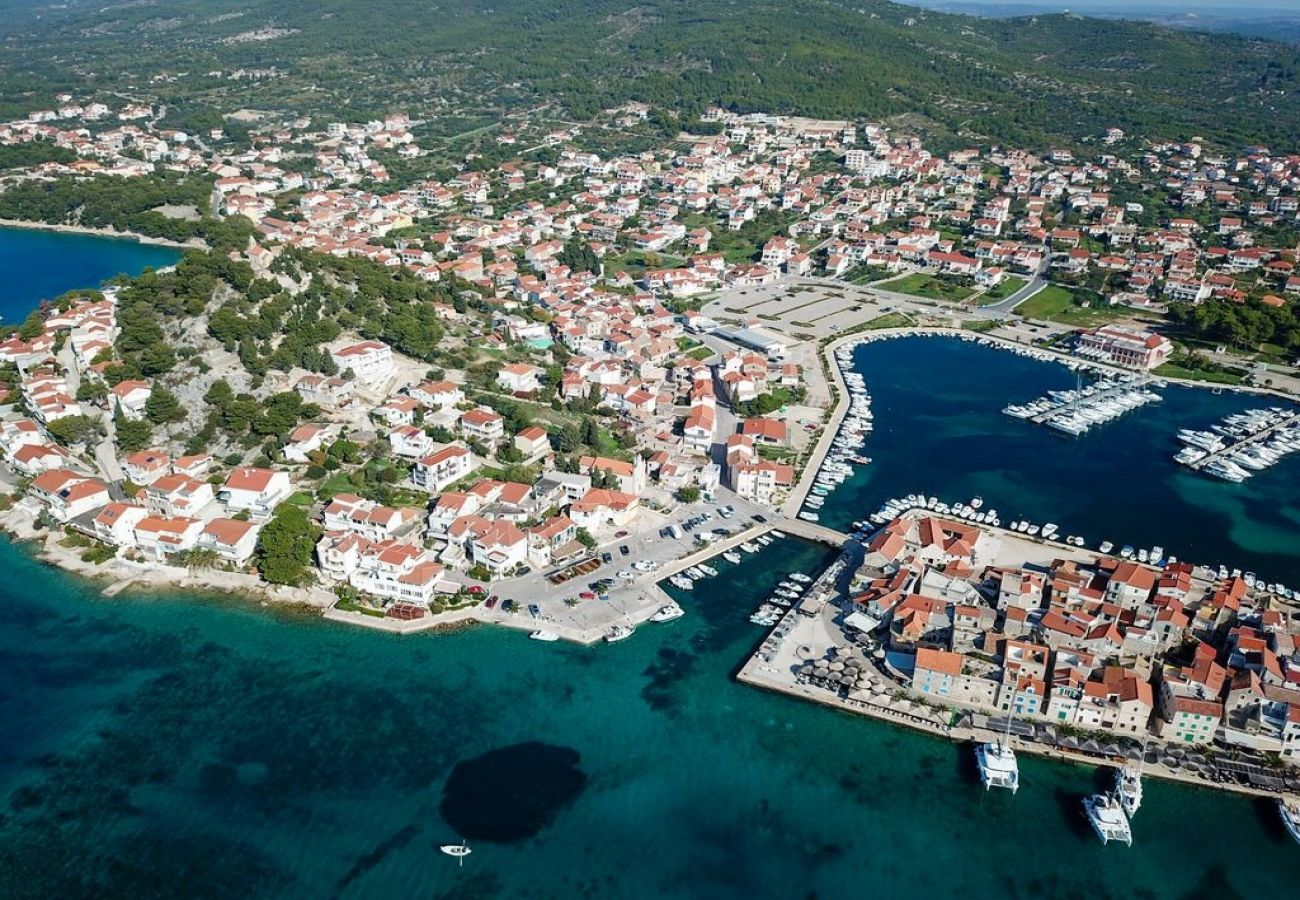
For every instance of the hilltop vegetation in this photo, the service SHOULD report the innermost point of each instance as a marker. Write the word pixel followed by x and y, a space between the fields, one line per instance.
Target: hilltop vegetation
pixel 1027 81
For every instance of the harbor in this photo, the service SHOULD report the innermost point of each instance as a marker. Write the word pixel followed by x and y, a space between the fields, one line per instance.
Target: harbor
pixel 924 422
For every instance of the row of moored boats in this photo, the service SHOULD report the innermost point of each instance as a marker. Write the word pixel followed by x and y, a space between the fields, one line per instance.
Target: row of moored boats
pixel 844 453
pixel 1077 411
pixel 1241 444
pixel 786 593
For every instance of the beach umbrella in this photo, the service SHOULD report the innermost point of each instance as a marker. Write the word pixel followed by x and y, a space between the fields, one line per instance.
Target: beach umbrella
pixel 880 653
pixel 1133 753
pixel 1090 746
pixel 877 687
pixel 1172 762
pixel 1070 743
pixel 837 666
pixel 1111 750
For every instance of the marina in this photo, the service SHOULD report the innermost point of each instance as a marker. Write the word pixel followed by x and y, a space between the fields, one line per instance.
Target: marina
pixel 1241 444
pixel 944 438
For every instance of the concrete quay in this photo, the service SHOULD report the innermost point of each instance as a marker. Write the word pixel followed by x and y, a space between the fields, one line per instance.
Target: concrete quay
pixel 805 634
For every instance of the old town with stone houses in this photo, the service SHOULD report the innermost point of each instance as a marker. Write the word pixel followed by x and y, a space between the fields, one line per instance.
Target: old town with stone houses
pixel 1096 646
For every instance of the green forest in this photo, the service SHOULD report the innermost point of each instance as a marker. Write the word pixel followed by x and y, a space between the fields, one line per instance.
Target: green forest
pixel 1058 78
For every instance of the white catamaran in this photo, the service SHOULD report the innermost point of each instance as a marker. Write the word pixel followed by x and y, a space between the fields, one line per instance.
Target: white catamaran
pixel 997 761
pixel 1105 813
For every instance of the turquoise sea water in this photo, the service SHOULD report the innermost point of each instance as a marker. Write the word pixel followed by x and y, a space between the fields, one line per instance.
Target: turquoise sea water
pixel 175 746
pixel 939 430
pixel 40 265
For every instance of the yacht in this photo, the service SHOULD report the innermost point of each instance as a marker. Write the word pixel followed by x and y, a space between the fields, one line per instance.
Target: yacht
pixel 1289 809
pixel 668 613
pixel 708 570
pixel 547 636
pixel 619 633
pixel 1106 815
pixel 800 576
pixel 810 516
pixel 732 557
pixel 749 547
pixel 1128 788
pixel 998 767
pixel 460 851
pixel 681 582
pixel 1106 547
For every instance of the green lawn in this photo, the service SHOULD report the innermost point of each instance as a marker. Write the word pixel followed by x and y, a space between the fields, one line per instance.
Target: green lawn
pixel 1056 304
pixel 889 320
pixel 1001 291
pixel 931 287
pixel 1170 370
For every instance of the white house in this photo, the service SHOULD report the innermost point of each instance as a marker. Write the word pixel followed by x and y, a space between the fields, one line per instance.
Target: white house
pixel 370 361
pixel 160 537
pixel 410 442
pixel 258 491
pixel 131 396
pixel 177 495
pixel 437 394
pixel 231 539
pixel 519 378
pixel 348 512
pixel 303 440
pixel 437 471
pixel 67 494
pixel 115 523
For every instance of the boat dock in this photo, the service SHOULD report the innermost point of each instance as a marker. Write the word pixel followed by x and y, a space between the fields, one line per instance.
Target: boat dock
pixel 1076 411
pixel 1282 423
pixel 1106 393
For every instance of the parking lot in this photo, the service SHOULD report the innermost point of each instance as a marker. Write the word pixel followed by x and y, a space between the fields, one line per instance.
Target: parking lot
pixel 620 589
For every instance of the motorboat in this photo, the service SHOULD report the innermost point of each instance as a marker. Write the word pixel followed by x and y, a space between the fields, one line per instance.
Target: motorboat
pixel 619 633
pixel 1128 788
pixel 1289 809
pixel 543 635
pixel 668 613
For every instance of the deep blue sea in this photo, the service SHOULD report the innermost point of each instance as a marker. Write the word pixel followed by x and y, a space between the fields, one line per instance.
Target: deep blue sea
pixel 177 746
pixel 40 265
pixel 939 430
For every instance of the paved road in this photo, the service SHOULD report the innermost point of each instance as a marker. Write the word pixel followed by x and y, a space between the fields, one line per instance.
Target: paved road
pixel 1003 307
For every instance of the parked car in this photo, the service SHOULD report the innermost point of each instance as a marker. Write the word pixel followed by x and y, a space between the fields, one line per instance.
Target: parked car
pixel 534 610
pixel 607 557
pixel 760 518
pixel 620 534
pixel 624 550
pixel 492 601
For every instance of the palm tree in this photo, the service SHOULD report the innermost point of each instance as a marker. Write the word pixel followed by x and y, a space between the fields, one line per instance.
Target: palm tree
pixel 200 558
